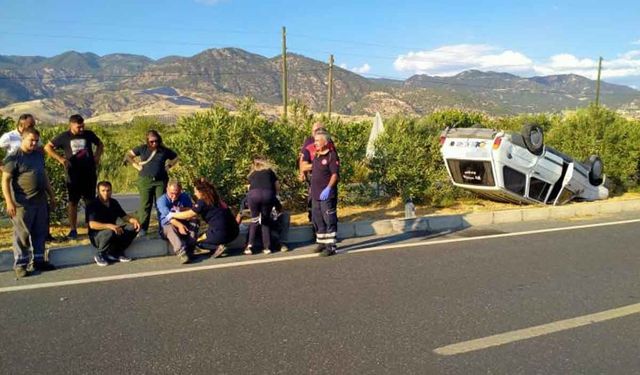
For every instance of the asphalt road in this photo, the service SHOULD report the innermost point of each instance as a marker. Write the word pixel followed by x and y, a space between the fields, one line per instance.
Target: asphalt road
pixel 358 312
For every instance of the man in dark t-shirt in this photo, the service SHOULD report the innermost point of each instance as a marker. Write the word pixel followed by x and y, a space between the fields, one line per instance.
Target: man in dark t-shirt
pixel 25 187
pixel 324 194
pixel 110 238
pixel 80 162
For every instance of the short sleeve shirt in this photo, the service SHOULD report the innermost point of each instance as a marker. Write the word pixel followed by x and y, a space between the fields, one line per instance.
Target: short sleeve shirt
pixel 78 149
pixel 309 151
pixel 11 141
pixel 265 179
pixel 28 176
pixel 323 167
pixel 98 211
pixel 154 167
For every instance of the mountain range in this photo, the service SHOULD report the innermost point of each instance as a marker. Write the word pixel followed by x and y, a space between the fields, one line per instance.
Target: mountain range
pixel 118 87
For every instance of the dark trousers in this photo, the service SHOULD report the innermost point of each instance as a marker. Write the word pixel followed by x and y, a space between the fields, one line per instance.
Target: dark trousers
pixel 325 220
pixel 181 242
pixel 217 237
pixel 30 227
pixel 108 241
pixel 150 190
pixel 261 202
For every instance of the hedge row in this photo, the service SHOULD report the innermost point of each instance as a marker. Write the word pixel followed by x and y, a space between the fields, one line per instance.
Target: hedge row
pixel 220 145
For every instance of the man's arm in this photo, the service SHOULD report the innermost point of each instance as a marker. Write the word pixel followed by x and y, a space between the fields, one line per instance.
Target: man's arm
pixel 171 163
pixel 6 192
pixel 49 149
pixel 96 225
pixel 50 193
pixel 99 149
pixel 131 220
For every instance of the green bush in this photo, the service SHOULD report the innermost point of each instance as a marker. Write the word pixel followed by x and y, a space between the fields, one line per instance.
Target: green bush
pixel 220 146
pixel 600 131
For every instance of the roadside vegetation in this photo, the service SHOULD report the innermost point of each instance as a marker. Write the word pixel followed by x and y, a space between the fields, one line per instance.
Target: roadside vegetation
pixel 220 145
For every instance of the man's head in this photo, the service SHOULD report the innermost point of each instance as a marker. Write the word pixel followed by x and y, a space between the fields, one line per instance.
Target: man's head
pixel 174 188
pixel 321 139
pixel 154 139
pixel 104 190
pixel 25 121
pixel 76 124
pixel 30 139
pixel 316 127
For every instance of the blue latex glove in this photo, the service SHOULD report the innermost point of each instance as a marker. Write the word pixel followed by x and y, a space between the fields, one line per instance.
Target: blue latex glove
pixel 324 195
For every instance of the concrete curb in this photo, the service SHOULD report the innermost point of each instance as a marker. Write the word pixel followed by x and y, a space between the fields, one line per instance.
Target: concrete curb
pixel 145 248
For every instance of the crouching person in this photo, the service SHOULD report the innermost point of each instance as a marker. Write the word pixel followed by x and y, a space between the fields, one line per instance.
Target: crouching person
pixel 111 239
pixel 222 227
pixel 181 233
pixel 324 194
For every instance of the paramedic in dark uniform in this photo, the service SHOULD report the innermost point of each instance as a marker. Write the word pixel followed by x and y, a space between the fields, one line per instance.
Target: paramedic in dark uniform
pixel 324 193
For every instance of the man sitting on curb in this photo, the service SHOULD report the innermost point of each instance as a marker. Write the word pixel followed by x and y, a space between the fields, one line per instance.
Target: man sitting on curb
pixel 181 234
pixel 105 234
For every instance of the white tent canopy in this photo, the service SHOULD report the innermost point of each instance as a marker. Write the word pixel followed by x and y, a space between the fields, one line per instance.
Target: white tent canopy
pixel 376 130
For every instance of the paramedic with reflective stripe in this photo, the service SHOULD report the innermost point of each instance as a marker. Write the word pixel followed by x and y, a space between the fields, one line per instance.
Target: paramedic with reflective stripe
pixel 324 193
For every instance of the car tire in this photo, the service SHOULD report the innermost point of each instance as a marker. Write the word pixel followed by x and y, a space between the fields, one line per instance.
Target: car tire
pixel 596 170
pixel 533 138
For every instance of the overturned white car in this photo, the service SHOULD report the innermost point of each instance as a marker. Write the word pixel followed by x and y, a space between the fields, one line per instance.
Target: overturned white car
pixel 518 168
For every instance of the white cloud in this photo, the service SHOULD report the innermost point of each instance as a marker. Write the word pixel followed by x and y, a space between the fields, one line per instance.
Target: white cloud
pixel 209 2
pixel 450 60
pixel 365 68
pixel 453 59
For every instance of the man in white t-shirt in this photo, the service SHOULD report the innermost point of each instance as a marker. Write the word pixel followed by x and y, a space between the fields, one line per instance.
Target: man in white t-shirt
pixel 10 141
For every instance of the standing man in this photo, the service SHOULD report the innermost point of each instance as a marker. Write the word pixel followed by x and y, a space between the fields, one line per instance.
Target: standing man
pixel 305 158
pixel 80 162
pixel 324 194
pixel 105 234
pixel 12 140
pixel 25 187
pixel 155 160
pixel 181 234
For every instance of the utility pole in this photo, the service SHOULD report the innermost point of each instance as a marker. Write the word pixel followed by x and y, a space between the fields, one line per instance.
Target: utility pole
pixel 598 82
pixel 330 86
pixel 285 99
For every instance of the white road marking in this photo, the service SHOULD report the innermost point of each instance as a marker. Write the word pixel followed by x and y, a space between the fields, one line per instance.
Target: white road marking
pixel 299 257
pixel 531 332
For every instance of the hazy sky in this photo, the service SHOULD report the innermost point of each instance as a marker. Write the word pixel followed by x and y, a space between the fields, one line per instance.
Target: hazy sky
pixel 392 39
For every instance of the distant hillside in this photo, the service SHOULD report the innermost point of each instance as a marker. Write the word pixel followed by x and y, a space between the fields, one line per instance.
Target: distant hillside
pixel 118 86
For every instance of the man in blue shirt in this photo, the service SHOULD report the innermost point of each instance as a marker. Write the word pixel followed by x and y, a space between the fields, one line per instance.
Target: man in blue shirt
pixel 181 234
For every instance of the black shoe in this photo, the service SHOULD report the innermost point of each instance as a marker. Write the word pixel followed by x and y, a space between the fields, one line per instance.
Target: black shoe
pixel 44 266
pixel 21 272
pixel 327 252
pixel 100 261
pixel 319 248
pixel 120 258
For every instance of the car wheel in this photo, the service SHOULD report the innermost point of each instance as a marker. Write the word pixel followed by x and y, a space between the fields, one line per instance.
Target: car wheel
pixel 596 170
pixel 533 138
